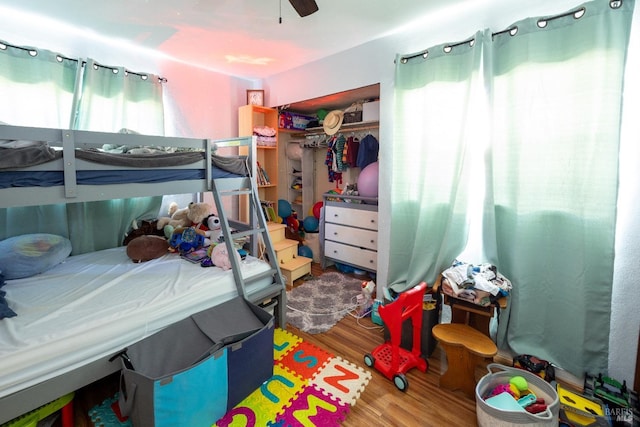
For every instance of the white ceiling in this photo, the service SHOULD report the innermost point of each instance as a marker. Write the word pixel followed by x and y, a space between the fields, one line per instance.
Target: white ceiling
pixel 237 37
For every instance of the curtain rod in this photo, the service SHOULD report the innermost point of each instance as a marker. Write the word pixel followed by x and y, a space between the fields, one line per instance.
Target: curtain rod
pixel 576 13
pixel 34 52
pixel 448 48
pixel 542 22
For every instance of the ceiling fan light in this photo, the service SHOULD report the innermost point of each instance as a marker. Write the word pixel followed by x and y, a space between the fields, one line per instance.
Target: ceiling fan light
pixel 304 7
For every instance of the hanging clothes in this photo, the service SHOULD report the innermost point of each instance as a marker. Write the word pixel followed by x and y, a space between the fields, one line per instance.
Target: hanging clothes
pixel 339 151
pixel 351 151
pixel 331 161
pixel 367 152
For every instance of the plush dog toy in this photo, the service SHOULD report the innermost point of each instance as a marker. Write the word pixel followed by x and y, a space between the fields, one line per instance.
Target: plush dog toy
pixel 190 216
pixel 213 229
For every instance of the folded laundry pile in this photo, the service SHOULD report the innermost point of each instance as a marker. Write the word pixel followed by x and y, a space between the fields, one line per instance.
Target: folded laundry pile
pixel 266 136
pixel 480 284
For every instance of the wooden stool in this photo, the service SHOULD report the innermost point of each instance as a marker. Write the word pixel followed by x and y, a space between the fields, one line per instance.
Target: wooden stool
pixel 465 347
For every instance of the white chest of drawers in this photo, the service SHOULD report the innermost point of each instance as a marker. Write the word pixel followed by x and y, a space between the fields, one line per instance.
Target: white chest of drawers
pixel 349 233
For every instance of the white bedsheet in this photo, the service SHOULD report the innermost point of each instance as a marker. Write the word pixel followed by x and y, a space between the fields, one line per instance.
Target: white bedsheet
pixel 95 304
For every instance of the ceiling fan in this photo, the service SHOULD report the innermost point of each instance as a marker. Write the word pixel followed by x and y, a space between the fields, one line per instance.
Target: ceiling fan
pixel 304 7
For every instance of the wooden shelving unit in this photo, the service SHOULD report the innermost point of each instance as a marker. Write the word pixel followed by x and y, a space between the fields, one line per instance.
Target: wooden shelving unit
pixel 250 117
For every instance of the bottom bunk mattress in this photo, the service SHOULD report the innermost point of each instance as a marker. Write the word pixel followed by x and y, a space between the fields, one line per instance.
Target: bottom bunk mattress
pixel 95 304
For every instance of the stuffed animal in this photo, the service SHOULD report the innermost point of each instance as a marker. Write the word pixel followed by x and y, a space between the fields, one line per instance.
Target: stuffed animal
pixel 213 229
pixel 187 239
pixel 220 256
pixel 144 228
pixel 147 247
pixel 192 215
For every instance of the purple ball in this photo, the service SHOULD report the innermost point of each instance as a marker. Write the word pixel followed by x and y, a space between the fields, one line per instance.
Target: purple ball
pixel 368 181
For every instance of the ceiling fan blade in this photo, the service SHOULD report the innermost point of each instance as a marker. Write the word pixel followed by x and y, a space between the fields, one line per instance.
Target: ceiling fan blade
pixel 304 7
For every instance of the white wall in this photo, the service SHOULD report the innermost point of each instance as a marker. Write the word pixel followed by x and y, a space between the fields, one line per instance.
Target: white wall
pixel 204 105
pixel 374 63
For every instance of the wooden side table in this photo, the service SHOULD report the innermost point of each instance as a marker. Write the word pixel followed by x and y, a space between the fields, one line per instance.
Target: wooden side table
pixel 468 313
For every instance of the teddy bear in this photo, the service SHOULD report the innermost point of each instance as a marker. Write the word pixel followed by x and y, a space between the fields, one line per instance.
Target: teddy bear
pixel 190 216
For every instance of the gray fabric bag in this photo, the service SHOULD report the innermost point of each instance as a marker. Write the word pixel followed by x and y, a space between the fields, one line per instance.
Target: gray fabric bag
pixel 187 374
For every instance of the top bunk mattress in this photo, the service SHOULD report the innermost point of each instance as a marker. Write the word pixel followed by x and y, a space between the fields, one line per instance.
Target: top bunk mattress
pixel 95 158
pixel 93 305
pixel 38 166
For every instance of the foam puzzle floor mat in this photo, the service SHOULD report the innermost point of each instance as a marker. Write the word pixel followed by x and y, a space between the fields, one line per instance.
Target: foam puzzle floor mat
pixel 309 387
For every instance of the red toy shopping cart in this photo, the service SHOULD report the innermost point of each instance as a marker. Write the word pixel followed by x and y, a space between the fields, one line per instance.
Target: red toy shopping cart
pixel 389 358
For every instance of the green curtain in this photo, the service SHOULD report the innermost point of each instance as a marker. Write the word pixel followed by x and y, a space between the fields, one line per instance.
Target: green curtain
pixel 36 86
pixel 435 106
pixel 556 93
pixel 114 99
pixel 90 226
pixel 553 91
pixel 42 85
pixel 107 221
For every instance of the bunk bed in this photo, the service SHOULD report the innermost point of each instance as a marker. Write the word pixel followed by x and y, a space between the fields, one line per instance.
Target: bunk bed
pixel 74 317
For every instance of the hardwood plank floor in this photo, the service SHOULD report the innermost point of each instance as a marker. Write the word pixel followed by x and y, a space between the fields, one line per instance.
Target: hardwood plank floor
pixel 424 403
pixel 381 403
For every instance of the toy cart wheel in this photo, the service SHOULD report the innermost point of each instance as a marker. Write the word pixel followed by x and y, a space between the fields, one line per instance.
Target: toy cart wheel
pixel 369 360
pixel 426 361
pixel 401 382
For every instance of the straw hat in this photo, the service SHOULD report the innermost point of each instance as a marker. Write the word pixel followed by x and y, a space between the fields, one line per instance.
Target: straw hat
pixel 332 122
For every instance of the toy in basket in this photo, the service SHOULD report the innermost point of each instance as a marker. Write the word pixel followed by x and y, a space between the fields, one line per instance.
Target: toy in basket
pixel 389 358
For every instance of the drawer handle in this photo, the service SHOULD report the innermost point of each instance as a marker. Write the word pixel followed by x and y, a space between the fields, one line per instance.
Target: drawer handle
pixel 370 261
pixel 335 233
pixel 371 241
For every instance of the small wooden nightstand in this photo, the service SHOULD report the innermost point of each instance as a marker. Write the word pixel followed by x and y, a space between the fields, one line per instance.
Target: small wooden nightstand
pixel 468 313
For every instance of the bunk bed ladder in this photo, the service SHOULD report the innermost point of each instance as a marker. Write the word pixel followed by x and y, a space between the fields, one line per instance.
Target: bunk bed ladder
pixel 260 245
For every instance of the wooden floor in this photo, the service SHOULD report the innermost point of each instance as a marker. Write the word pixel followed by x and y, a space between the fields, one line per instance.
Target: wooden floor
pixel 381 403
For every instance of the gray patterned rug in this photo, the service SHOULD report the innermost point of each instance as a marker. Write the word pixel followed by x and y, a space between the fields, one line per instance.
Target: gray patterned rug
pixel 318 304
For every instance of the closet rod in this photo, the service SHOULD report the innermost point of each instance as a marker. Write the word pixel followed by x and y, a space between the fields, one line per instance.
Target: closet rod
pixel 345 128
